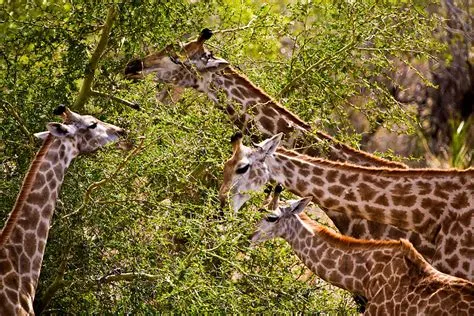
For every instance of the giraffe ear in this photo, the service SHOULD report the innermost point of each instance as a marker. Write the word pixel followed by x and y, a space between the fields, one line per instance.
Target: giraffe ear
pixel 269 146
pixel 60 130
pixel 299 205
pixel 41 135
pixel 216 64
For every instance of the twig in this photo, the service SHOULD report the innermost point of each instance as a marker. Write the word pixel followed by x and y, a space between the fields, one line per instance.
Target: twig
pixel 240 28
pixel 85 91
pixel 133 105
pixel 8 108
pixel 285 89
pixel 94 186
pixel 131 276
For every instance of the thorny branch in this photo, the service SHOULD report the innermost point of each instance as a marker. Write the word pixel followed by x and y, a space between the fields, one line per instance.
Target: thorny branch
pixel 94 186
pixel 295 80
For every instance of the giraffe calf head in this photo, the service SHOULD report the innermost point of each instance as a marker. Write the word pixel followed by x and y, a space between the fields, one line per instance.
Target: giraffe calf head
pixel 246 170
pixel 276 223
pixel 85 131
pixel 181 65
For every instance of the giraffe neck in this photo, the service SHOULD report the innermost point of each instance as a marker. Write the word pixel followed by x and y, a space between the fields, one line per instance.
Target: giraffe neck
pixel 250 107
pixel 21 255
pixel 359 266
pixel 418 200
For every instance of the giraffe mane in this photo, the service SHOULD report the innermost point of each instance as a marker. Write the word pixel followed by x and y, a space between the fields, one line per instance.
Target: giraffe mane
pixel 350 243
pixel 371 170
pixel 388 163
pixel 230 71
pixel 25 190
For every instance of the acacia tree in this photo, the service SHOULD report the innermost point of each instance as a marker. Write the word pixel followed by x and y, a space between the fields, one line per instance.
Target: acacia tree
pixel 137 232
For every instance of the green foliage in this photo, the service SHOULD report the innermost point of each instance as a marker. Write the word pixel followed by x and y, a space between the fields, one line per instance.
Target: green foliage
pixel 158 213
pixel 461 152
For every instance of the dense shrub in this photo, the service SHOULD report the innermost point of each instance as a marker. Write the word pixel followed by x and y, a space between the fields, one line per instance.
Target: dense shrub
pixel 150 237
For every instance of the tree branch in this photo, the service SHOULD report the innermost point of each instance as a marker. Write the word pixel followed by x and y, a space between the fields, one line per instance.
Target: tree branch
pixel 85 91
pixel 57 284
pixel 240 28
pixel 133 105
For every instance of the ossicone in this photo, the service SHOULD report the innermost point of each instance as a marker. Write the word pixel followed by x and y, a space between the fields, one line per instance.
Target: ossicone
pixel 237 136
pixel 205 35
pixel 61 109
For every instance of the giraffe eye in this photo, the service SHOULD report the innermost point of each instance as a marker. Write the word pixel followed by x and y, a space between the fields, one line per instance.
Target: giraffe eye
pixel 92 126
pixel 243 169
pixel 272 218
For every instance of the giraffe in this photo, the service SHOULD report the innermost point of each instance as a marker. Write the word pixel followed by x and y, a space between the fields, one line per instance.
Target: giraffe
pixel 437 204
pixel 391 274
pixel 23 238
pixel 268 116
pixel 193 66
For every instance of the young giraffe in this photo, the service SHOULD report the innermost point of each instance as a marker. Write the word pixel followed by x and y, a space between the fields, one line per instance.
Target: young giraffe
pixel 392 275
pixel 23 238
pixel 206 73
pixel 437 204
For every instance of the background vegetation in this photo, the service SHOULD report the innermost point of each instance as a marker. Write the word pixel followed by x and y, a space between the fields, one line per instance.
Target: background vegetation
pixel 138 231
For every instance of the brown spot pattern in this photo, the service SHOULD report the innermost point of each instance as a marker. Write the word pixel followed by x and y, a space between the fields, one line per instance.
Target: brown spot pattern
pixel 267 123
pixel 407 200
pixel 366 192
pixel 424 188
pixel 330 203
pixel 401 189
pixel 348 180
pixel 30 244
pixel 460 200
pixel 317 181
pixel 382 200
pixel 317 171
pixel 302 186
pixel 336 189
pixel 331 175
pixel 350 196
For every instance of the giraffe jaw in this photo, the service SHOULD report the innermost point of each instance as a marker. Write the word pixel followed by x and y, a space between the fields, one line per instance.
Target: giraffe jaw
pixel 238 200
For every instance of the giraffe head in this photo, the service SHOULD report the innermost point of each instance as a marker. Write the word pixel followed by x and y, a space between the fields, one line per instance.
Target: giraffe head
pixel 247 169
pixel 85 133
pixel 276 224
pixel 184 66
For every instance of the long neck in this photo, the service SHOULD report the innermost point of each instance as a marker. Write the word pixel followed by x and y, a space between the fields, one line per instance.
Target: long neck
pixel 250 107
pixel 26 230
pixel 355 265
pixel 417 199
